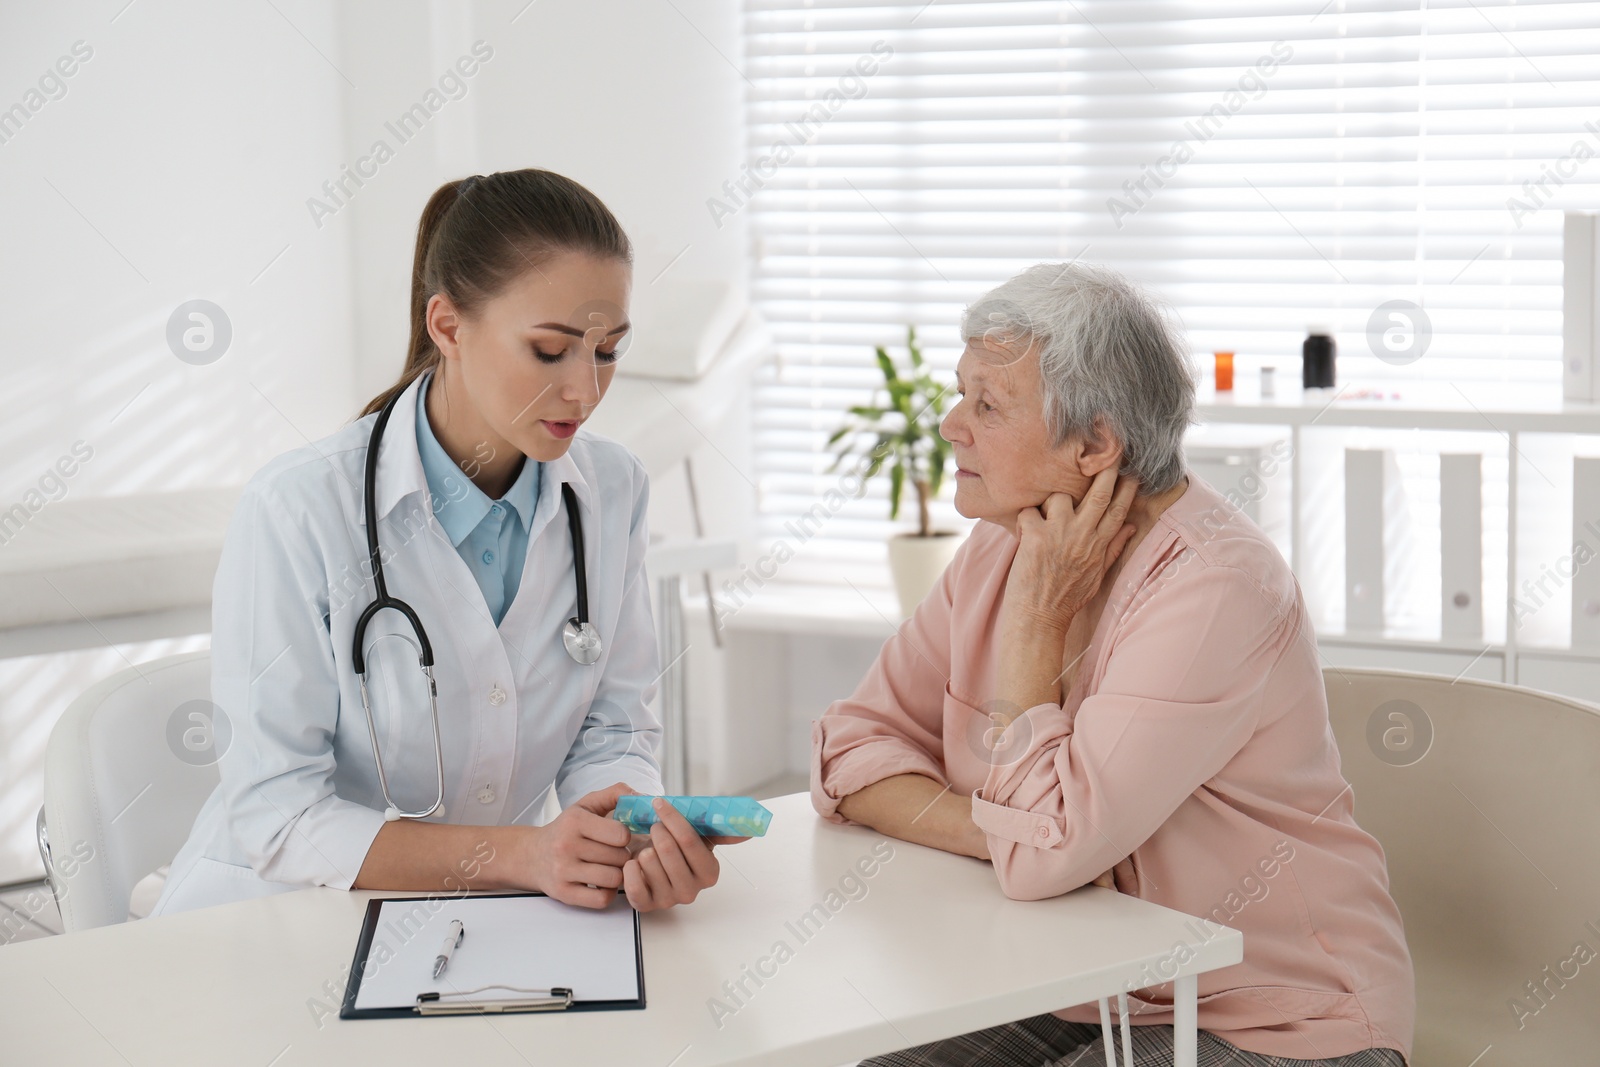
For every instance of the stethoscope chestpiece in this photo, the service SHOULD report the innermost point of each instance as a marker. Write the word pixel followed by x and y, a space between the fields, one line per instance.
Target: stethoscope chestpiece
pixel 582 641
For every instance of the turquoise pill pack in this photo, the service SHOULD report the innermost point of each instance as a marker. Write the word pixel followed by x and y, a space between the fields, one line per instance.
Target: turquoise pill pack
pixel 710 816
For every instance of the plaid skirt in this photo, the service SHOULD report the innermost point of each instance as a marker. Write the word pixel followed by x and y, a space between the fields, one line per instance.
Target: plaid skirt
pixel 1046 1041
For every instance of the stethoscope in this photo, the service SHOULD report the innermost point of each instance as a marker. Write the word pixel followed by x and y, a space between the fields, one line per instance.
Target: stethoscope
pixel 579 634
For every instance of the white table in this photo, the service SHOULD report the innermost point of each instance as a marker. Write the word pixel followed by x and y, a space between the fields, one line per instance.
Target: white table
pixel 931 949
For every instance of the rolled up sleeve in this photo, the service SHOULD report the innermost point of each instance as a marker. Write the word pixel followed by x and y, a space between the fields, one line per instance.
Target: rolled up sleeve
pixel 273 677
pixel 1178 699
pixel 620 738
pixel 892 723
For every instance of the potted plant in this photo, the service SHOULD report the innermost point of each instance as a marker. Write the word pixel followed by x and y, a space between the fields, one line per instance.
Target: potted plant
pixel 903 436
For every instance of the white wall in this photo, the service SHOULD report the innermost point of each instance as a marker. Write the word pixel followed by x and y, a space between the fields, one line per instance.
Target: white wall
pixel 173 168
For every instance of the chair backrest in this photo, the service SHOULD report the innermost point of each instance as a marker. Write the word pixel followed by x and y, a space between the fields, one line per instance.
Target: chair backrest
pixel 126 770
pixel 1486 799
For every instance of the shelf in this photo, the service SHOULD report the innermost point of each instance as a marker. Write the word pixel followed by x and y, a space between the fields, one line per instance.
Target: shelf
pixel 823 611
pixel 1497 406
pixel 1411 644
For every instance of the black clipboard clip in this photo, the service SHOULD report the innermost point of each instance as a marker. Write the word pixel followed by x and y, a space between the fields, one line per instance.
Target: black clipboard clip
pixel 557 998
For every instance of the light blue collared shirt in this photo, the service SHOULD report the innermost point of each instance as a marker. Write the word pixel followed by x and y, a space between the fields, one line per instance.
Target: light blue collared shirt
pixel 491 536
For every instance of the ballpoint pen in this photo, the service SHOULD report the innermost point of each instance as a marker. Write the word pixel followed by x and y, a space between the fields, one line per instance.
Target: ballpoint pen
pixel 457 932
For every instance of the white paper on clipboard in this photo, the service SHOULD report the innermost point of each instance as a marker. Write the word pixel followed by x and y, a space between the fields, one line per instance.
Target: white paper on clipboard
pixel 510 941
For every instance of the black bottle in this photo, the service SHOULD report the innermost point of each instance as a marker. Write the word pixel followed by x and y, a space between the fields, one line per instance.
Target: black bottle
pixel 1316 359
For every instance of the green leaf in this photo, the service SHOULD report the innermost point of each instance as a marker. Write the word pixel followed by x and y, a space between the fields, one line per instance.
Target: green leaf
pixel 886 365
pixel 904 430
pixel 881 453
pixel 900 394
pixel 941 452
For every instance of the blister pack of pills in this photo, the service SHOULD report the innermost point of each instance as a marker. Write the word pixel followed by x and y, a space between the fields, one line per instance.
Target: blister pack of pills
pixel 710 816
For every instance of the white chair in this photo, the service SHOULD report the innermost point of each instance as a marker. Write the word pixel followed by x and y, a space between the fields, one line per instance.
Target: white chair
pixel 1490 834
pixel 125 772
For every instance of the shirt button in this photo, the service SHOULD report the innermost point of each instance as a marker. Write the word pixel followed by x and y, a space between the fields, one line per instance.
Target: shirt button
pixel 486 794
pixel 488 557
pixel 497 696
pixel 494 509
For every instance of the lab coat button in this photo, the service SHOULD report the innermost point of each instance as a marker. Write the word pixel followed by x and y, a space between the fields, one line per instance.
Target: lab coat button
pixel 497 696
pixel 486 795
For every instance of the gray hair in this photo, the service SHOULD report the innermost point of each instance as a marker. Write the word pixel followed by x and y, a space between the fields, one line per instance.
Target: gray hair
pixel 1106 351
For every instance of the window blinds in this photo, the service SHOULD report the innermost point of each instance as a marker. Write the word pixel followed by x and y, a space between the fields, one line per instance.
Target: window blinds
pixel 1261 166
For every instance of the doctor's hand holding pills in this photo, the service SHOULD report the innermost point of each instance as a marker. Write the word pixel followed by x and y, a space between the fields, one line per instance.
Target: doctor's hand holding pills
pixel 675 863
pixel 583 856
pixel 435 620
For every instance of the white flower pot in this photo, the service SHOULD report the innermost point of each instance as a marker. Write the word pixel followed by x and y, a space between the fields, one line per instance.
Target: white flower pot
pixel 917 562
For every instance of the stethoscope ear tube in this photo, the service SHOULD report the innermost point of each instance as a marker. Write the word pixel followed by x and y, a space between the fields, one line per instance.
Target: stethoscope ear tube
pixel 392 811
pixel 369 494
pixel 579 564
pixel 424 648
pixel 579 635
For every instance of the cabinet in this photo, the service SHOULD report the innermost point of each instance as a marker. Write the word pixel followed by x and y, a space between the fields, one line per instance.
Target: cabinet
pixel 1449 528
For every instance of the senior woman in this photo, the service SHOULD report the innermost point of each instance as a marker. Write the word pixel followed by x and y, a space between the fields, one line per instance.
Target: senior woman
pixel 1116 681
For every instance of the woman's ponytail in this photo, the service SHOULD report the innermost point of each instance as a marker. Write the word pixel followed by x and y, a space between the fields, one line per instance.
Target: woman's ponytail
pixel 421 353
pixel 478 234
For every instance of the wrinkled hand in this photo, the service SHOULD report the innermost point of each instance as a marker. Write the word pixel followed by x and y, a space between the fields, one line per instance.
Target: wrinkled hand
pixel 1066 550
pixel 675 864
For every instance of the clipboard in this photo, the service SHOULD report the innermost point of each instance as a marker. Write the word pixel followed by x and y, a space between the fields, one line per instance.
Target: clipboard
pixel 523 942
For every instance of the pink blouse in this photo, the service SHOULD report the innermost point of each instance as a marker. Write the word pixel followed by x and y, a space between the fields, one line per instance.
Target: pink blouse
pixel 1193 759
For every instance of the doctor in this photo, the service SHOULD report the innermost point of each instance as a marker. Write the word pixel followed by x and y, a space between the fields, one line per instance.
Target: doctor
pixel 517 541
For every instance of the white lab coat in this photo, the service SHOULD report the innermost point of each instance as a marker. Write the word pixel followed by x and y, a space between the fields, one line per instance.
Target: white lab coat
pixel 298 803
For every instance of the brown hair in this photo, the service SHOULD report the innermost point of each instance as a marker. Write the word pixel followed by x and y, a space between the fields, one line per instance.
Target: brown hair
pixel 478 234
